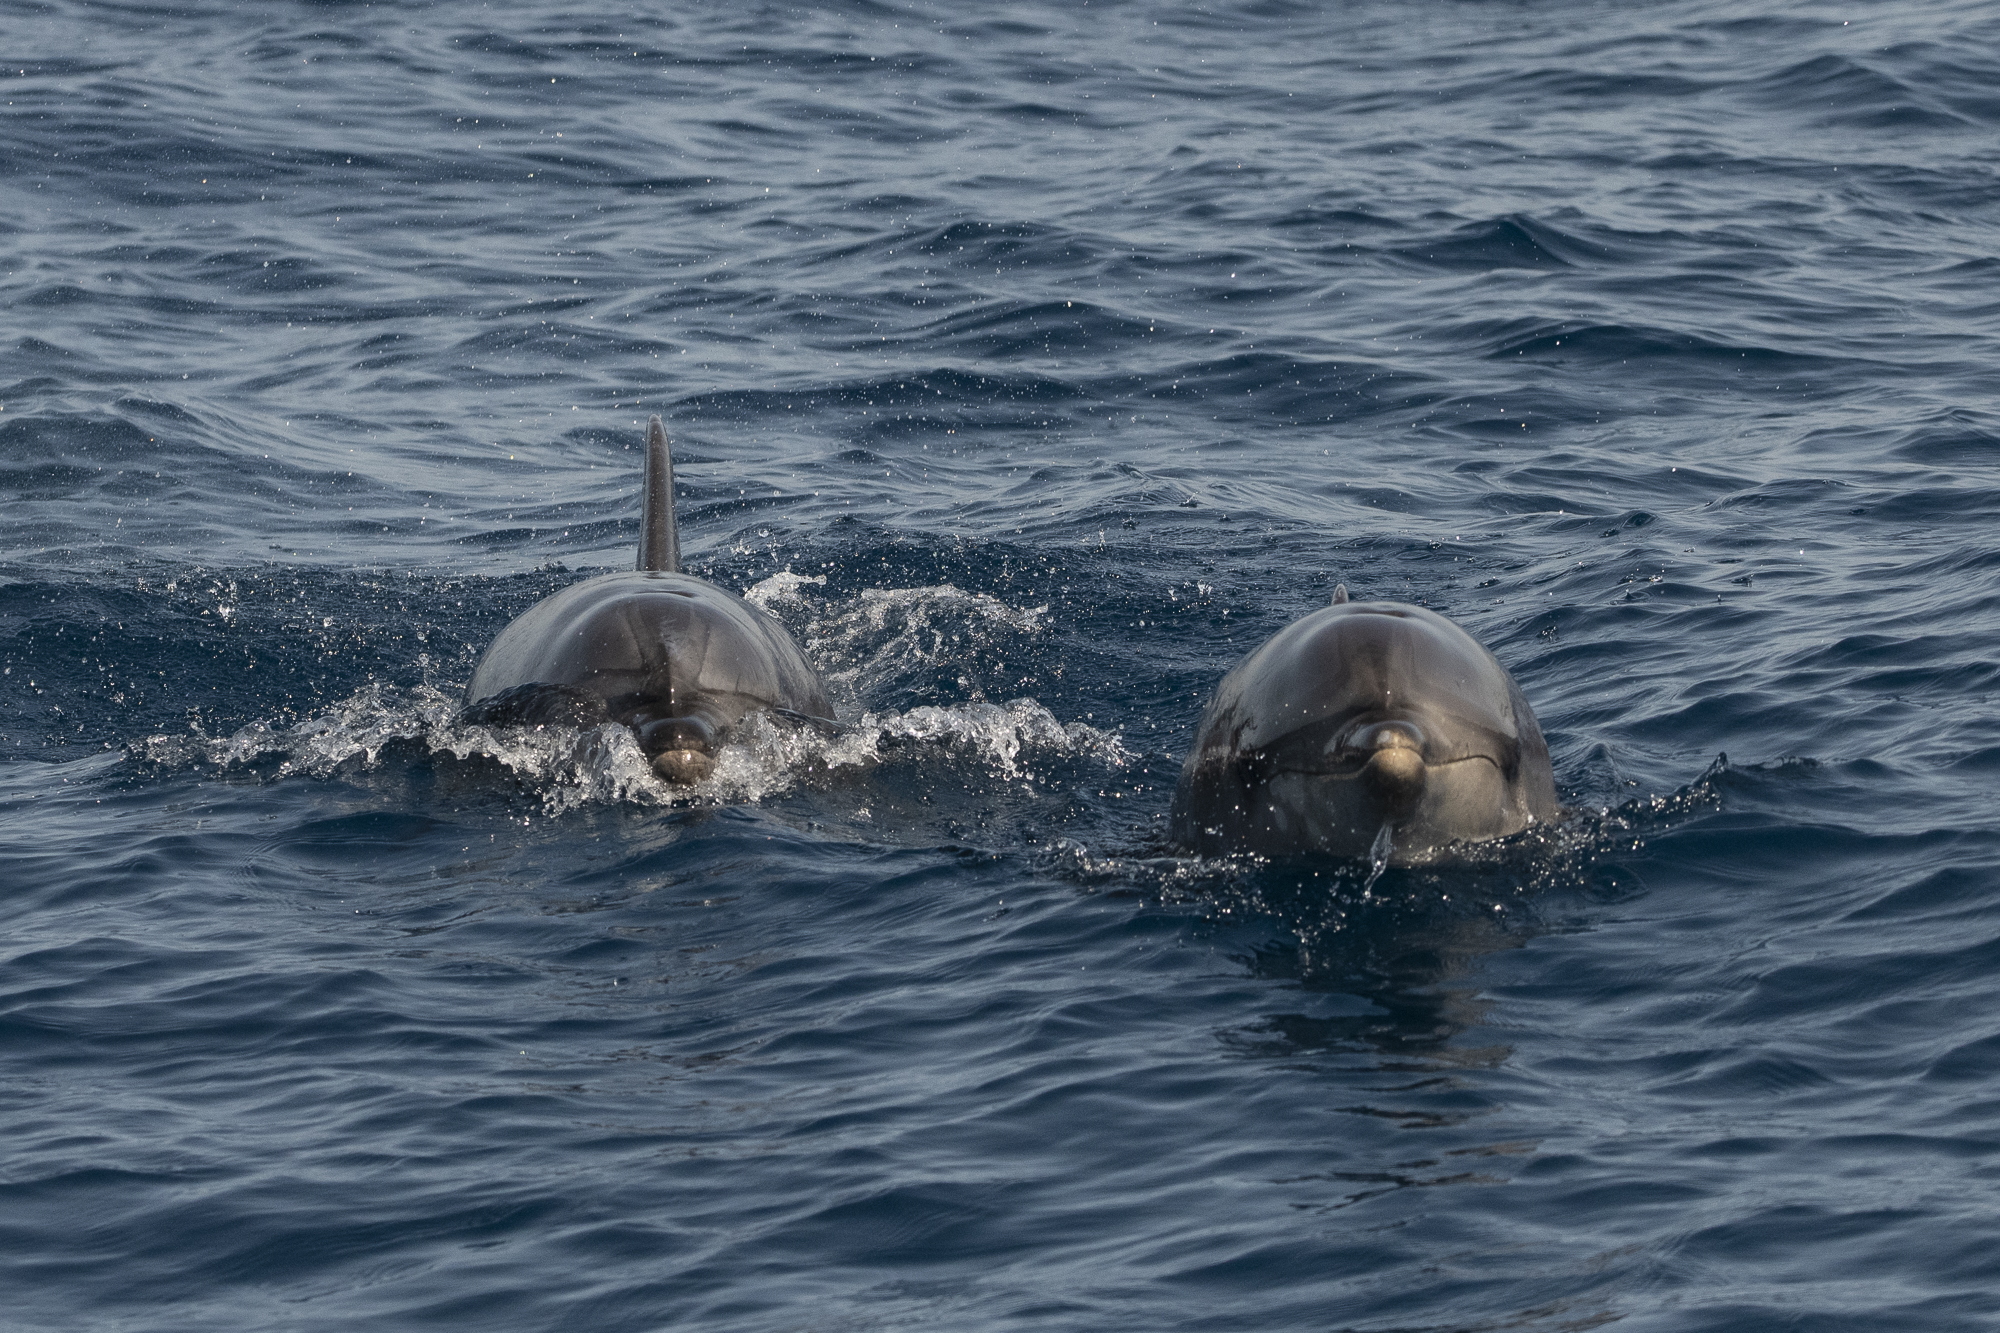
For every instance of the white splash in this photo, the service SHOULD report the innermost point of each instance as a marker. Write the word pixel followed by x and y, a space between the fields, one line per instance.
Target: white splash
pixel 766 756
pixel 572 767
pixel 782 587
pixel 865 645
pixel 867 640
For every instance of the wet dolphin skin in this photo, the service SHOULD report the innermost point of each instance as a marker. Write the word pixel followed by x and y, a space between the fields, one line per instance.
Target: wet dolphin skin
pixel 1365 728
pixel 674 657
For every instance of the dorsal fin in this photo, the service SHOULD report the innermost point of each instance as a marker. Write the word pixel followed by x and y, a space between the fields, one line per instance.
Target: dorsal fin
pixel 659 534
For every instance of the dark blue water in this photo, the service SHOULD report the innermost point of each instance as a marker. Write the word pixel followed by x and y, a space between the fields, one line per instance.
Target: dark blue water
pixel 1032 364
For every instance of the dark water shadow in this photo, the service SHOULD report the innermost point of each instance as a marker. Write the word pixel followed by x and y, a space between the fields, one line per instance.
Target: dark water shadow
pixel 1390 969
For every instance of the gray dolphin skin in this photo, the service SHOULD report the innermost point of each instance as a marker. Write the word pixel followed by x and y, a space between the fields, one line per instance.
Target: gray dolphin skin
pixel 1369 729
pixel 674 657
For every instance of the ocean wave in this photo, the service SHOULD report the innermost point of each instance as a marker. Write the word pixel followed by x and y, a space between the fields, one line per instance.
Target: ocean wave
pixel 1515 241
pixel 1840 89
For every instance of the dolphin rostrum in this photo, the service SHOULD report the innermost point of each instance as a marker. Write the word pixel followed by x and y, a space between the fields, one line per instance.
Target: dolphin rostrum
pixel 1370 729
pixel 672 656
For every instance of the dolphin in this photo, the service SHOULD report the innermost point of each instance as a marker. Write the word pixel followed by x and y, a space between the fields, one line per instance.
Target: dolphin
pixel 1373 729
pixel 672 656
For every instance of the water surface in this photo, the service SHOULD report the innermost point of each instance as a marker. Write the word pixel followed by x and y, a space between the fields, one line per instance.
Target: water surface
pixel 1032 366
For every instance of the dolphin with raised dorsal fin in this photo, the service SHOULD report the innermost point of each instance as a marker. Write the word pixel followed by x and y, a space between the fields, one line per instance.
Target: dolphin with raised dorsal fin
pixel 674 657
pixel 1366 729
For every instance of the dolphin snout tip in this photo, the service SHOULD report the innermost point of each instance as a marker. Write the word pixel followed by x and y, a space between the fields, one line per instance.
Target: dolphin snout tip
pixel 1394 776
pixel 682 748
pixel 685 767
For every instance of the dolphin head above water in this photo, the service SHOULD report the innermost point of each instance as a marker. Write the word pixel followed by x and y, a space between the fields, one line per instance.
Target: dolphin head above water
pixel 674 657
pixel 1361 722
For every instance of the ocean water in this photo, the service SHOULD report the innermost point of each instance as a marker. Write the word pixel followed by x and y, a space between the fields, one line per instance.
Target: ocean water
pixel 1032 362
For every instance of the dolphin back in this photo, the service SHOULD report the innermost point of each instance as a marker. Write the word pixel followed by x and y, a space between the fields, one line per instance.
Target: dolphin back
pixel 649 639
pixel 672 656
